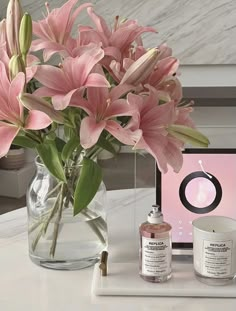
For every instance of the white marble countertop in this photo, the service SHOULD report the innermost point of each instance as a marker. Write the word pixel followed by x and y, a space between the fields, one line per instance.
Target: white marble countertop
pixel 25 286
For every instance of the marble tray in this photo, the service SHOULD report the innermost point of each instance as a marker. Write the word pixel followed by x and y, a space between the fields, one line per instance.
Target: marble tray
pixel 123 280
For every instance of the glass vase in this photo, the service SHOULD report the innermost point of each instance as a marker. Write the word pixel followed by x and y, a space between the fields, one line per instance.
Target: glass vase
pixel 57 238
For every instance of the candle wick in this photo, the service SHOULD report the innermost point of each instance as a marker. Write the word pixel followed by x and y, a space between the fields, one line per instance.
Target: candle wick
pixel 201 165
pixel 213 230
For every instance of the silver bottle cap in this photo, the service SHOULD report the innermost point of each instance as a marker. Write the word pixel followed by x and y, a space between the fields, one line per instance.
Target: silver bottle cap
pixel 155 216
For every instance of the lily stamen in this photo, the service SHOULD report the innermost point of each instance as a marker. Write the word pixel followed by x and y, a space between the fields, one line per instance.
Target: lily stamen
pixel 116 22
pixel 47 7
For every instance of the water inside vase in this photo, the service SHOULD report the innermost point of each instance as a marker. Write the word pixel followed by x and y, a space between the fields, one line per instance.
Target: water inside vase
pixel 79 242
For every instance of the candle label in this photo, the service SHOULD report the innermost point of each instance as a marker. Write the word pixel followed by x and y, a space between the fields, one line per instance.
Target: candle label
pixel 217 258
pixel 156 256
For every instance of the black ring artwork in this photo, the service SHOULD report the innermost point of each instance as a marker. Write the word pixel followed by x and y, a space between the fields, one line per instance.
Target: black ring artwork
pixel 193 208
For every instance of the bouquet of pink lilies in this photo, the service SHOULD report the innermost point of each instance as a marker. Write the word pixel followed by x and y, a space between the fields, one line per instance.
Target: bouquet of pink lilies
pixel 106 90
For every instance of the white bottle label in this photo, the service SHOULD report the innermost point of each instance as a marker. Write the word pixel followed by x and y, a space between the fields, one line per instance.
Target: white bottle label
pixel 217 258
pixel 156 257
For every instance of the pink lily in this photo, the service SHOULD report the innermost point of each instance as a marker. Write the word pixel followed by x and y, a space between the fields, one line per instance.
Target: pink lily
pixel 74 75
pixel 11 111
pixel 153 120
pixel 164 68
pixel 54 31
pixel 102 107
pixel 117 42
pixel 183 113
pixel 170 89
pixel 149 67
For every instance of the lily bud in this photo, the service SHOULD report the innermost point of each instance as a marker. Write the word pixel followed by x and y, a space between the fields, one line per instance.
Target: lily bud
pixel 188 135
pixel 13 19
pixel 16 65
pixel 141 68
pixel 25 33
pixel 2 33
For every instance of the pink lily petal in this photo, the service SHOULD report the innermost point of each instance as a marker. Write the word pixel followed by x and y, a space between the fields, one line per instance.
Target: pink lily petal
pixel 173 154
pixel 166 67
pixel 165 51
pixel 63 17
pixel 155 149
pixel 97 99
pixel 46 75
pixel 40 44
pixel 96 80
pixel 4 81
pixel 47 53
pixel 123 135
pixel 99 22
pixel 120 90
pixel 37 120
pixel 172 86
pixel 45 92
pixel 16 88
pixel 183 117
pixel 127 62
pixel 30 72
pixel 90 131
pixel 119 108
pixel 78 101
pixel 4 58
pixel 39 31
pixel 88 35
pixel 60 102
pixel 113 52
pixel 115 70
pixel 7 134
pixel 163 114
pixel 77 12
pixel 124 36
pixel 135 100
pixel 87 61
pixel 32 102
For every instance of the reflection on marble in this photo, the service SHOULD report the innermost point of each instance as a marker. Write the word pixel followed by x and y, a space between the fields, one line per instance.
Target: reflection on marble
pixel 200 32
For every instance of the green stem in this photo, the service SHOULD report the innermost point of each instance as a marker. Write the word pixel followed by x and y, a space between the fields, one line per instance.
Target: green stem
pixel 97 231
pixel 44 225
pixel 91 215
pixel 57 223
pixel 53 190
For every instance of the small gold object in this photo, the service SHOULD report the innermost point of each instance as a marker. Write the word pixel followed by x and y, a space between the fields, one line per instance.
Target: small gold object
pixel 103 263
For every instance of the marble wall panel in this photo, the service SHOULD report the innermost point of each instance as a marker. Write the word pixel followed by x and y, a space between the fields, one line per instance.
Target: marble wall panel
pixel 199 31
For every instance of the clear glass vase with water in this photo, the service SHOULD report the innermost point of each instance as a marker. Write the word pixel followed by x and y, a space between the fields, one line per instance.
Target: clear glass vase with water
pixel 57 238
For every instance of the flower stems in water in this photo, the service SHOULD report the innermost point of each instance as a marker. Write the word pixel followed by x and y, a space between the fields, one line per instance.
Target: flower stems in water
pixel 57 223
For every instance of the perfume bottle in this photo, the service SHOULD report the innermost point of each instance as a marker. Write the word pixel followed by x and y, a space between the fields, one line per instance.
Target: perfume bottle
pixel 155 254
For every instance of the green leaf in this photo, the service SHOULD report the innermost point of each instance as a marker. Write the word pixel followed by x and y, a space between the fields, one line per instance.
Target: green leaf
pixel 60 143
pixel 25 142
pixel 105 144
pixel 88 184
pixel 188 135
pixel 51 159
pixel 68 131
pixel 69 147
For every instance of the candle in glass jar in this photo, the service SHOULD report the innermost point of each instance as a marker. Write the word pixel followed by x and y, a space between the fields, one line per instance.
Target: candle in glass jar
pixel 214 249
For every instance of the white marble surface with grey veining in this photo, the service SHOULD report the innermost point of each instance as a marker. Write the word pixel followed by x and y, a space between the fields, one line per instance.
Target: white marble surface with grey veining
pixel 25 286
pixel 199 31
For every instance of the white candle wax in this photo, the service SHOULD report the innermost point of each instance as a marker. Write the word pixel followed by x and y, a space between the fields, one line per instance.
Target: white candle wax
pixel 214 247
